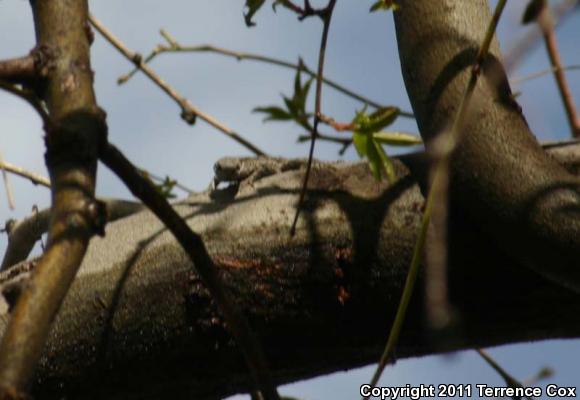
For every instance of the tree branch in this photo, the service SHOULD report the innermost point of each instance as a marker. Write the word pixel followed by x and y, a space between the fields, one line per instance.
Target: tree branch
pixel 195 248
pixel 23 235
pixel 72 140
pixel 35 178
pixel 326 17
pixel 175 47
pixel 500 175
pixel 17 70
pixel 518 50
pixel 547 26
pixel 138 320
pixel 189 111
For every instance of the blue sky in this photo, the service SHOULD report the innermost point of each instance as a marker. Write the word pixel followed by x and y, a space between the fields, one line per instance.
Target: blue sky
pixel 362 54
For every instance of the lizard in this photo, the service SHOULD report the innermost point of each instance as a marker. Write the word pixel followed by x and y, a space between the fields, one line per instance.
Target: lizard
pixel 236 170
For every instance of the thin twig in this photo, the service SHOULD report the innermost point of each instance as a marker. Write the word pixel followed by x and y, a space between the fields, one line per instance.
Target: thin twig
pixel 543 373
pixel 31 99
pixel 291 6
pixel 338 126
pixel 535 75
pixel 324 137
pixel 523 45
pixel 7 185
pixel 547 27
pixel 189 111
pixel 175 47
pixel 317 110
pixel 23 173
pixel 345 143
pixel 407 293
pixel 437 194
pixel 28 96
pixel 195 248
pixel 177 184
pixel 22 235
pixel 509 380
pixel 306 11
pixel 38 179
pixel 438 308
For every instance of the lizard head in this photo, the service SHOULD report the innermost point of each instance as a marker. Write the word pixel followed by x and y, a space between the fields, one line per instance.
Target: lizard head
pixel 227 169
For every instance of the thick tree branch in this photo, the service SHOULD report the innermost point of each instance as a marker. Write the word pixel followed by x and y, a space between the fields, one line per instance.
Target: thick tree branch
pixel 195 248
pixel 500 175
pixel 72 141
pixel 139 319
pixel 23 235
pixel 18 70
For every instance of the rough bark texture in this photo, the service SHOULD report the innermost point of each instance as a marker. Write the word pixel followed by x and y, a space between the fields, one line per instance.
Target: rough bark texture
pixel 73 134
pixel 139 322
pixel 501 176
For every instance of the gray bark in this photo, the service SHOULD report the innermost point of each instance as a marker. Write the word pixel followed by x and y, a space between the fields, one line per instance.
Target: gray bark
pixel 501 176
pixel 138 322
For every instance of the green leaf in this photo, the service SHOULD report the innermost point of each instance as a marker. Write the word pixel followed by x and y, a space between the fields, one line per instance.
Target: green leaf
pixel 166 188
pixel 295 105
pixel 360 118
pixel 297 82
pixel 385 5
pixel 380 119
pixel 291 106
pixel 302 95
pixel 273 113
pixel 375 160
pixel 397 138
pixel 387 164
pixel 253 6
pixel 360 143
pixel 368 141
pixel 371 123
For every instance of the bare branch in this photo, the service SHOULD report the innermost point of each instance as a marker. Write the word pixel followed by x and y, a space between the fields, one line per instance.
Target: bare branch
pixel 7 186
pixel 508 378
pixel 343 270
pixel 175 47
pixel 522 79
pixel 547 26
pixel 326 17
pixel 435 216
pixel 189 111
pixel 30 97
pixel 72 139
pixel 36 179
pixel 537 191
pixel 23 235
pixel 195 248
pixel 523 45
pixel 18 69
